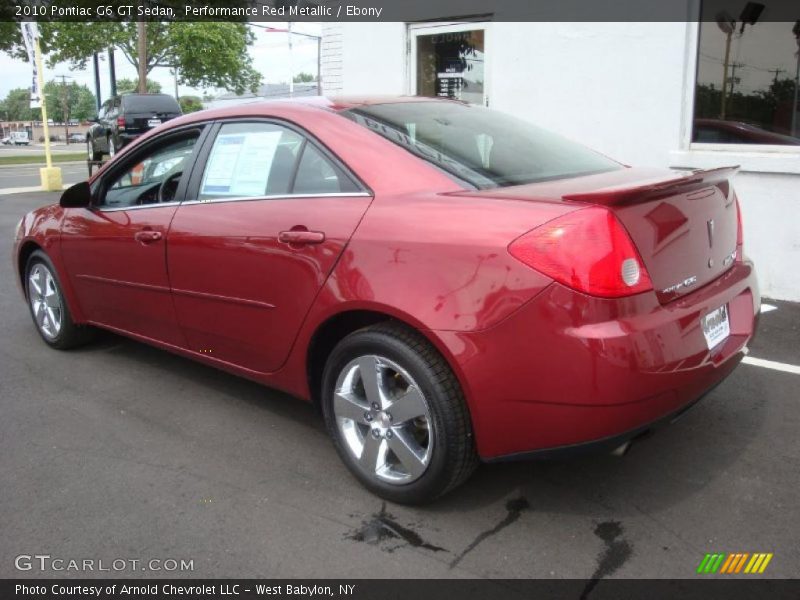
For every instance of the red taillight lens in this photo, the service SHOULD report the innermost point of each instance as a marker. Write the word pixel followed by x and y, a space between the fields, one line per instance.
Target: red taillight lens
pixel 587 250
pixel 121 122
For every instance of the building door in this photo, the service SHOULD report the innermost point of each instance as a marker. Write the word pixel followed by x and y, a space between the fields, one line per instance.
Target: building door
pixel 449 61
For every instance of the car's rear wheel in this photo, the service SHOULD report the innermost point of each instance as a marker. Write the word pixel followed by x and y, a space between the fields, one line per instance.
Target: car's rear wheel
pixel 397 415
pixel 48 306
pixel 91 154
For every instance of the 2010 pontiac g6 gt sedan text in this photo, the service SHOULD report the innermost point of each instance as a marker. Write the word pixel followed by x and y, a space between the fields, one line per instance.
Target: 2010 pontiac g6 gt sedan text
pixel 448 283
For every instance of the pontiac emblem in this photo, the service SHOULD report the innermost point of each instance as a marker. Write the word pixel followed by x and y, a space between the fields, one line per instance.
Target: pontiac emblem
pixel 710 224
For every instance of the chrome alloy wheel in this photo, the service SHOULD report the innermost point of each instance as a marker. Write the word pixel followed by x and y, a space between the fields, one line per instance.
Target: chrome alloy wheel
pixel 384 419
pixel 45 301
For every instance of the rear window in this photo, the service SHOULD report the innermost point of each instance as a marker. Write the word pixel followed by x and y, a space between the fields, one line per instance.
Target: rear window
pixel 150 103
pixel 482 147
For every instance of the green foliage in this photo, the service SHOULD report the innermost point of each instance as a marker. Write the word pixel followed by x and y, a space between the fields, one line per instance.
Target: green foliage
pixel 190 104
pixel 16 106
pixel 79 100
pixel 769 109
pixel 304 78
pixel 131 86
pixel 207 54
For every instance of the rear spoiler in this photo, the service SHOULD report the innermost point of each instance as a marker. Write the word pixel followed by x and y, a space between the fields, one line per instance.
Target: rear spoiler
pixel 639 192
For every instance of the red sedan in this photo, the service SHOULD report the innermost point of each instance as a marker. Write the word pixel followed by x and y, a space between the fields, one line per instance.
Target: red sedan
pixel 448 283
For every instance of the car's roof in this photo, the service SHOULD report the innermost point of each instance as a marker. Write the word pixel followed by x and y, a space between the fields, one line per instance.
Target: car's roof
pixel 299 106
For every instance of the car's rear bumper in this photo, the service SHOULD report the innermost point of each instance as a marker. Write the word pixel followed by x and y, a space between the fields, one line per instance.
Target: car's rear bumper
pixel 568 369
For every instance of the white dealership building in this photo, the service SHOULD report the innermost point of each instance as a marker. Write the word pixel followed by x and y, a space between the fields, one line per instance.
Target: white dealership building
pixel 647 94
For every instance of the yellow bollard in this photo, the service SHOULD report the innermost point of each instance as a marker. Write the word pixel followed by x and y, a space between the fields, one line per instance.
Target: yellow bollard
pixel 50 175
pixel 51 179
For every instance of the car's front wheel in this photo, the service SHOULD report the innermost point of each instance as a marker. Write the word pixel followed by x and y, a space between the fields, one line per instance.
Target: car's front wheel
pixel 48 306
pixel 397 414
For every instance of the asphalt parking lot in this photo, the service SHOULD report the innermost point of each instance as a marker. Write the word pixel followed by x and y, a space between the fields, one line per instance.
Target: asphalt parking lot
pixel 119 450
pixel 16 176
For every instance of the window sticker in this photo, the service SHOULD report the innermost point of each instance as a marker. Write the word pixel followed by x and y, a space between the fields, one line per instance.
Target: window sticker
pixel 240 164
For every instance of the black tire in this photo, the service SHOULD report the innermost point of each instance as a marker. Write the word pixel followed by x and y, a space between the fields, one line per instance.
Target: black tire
pixel 70 334
pixel 91 152
pixel 453 455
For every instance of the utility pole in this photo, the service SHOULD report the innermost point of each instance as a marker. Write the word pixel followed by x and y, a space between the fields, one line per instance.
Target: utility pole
pixel 724 103
pixel 733 78
pixel 142 30
pixel 777 72
pixel 65 105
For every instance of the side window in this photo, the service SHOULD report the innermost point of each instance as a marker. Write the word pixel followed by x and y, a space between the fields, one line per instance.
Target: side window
pixel 250 160
pixel 317 175
pixel 153 178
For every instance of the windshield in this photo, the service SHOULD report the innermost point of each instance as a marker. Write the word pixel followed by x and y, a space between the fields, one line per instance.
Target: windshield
pixel 480 146
pixel 150 103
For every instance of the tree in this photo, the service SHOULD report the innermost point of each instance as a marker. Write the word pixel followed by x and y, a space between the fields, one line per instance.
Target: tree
pixel 131 86
pixel 304 78
pixel 190 104
pixel 207 54
pixel 80 101
pixel 16 105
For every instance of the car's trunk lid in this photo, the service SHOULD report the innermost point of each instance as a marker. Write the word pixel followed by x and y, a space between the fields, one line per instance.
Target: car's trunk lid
pixel 684 224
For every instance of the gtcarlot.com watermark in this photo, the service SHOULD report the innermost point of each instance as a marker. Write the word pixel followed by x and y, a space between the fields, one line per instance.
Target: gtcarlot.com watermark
pixel 46 562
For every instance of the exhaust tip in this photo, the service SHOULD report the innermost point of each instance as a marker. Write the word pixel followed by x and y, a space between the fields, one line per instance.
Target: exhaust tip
pixel 621 450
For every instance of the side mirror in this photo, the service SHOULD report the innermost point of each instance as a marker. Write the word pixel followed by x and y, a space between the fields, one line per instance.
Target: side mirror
pixel 77 196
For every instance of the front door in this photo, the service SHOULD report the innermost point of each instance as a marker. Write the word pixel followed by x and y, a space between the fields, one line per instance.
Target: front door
pixel 449 61
pixel 115 251
pixel 272 212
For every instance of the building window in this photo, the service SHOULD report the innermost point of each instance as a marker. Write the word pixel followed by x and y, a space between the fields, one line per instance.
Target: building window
pixel 450 64
pixel 747 78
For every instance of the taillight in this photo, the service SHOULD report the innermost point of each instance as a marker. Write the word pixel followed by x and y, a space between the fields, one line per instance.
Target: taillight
pixel 121 122
pixel 739 232
pixel 587 250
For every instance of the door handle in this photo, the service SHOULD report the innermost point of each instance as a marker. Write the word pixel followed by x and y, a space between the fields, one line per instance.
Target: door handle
pixel 147 236
pixel 301 236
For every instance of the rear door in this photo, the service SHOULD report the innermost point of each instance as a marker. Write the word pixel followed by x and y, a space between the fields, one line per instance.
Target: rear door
pixel 268 214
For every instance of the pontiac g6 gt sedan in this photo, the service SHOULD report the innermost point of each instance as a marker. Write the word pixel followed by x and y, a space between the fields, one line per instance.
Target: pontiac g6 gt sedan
pixel 448 283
